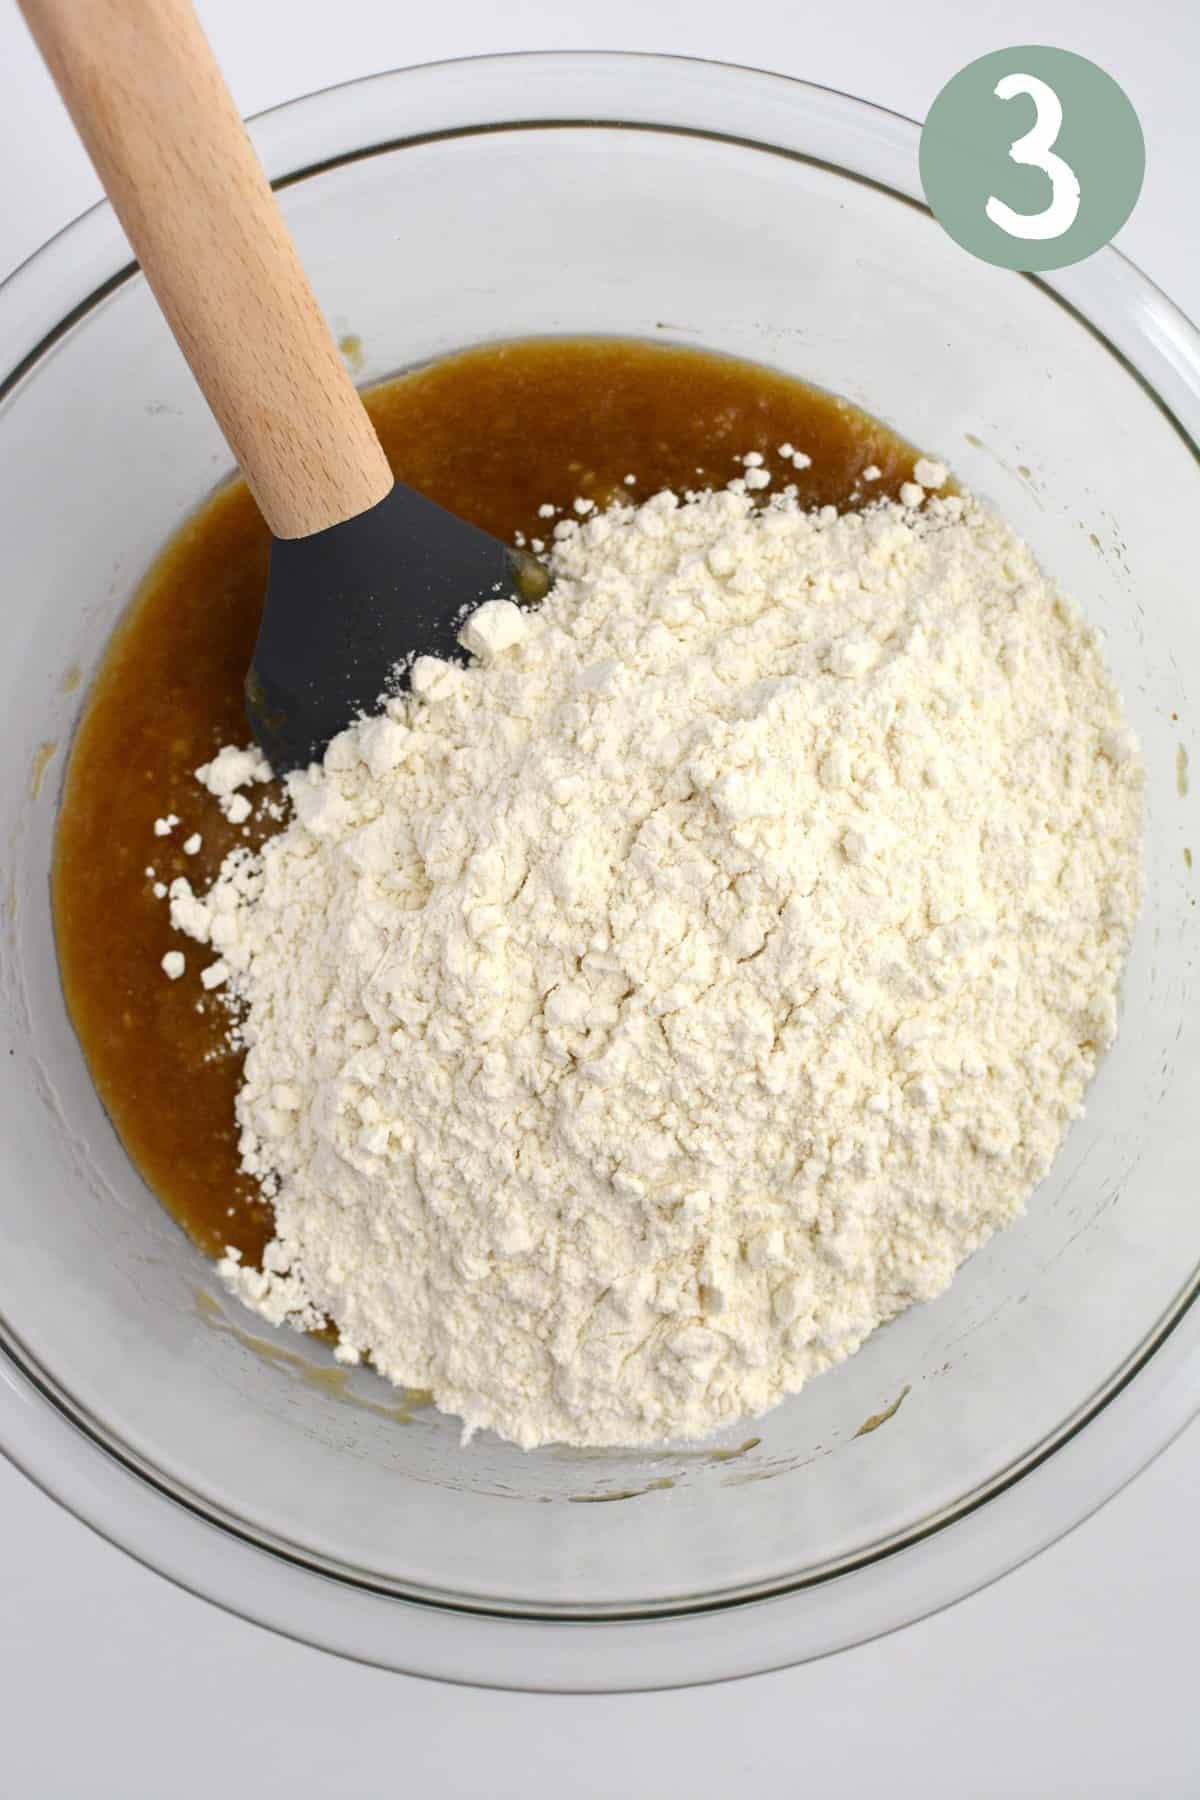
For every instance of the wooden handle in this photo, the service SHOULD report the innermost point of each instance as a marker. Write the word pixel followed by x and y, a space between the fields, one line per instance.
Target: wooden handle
pixel 160 125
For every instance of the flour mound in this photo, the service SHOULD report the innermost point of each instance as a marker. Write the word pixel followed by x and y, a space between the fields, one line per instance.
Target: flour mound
pixel 641 1014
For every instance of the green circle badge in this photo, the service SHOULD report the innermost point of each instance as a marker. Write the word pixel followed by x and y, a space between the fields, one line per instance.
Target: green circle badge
pixel 1032 158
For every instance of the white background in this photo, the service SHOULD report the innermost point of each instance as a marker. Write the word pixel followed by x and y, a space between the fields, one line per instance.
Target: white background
pixel 1074 1676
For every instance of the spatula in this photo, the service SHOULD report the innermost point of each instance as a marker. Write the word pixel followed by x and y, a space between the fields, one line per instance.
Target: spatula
pixel 365 573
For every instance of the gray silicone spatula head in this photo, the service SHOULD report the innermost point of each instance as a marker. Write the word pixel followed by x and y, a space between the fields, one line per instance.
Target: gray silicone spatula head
pixel 363 574
pixel 350 608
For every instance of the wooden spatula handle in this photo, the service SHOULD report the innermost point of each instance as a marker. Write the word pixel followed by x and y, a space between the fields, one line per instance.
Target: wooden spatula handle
pixel 160 125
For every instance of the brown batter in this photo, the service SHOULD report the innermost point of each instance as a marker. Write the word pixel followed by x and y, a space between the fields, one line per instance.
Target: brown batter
pixel 491 433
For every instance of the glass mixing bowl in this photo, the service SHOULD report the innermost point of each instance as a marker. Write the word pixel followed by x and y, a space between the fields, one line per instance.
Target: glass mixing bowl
pixel 707 205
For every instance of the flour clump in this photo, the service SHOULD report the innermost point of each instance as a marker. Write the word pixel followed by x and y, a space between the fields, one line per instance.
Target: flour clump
pixel 640 1014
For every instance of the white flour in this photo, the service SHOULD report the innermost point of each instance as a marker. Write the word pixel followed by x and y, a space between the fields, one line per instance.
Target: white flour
pixel 639 1016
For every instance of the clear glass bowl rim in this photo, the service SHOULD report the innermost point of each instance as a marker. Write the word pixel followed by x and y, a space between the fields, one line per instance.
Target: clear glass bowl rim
pixel 69 1455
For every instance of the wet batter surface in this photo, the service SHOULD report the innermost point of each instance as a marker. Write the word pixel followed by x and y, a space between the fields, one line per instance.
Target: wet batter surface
pixel 493 434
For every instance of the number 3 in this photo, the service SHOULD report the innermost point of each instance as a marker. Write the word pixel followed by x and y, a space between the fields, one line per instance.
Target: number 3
pixel 1036 151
